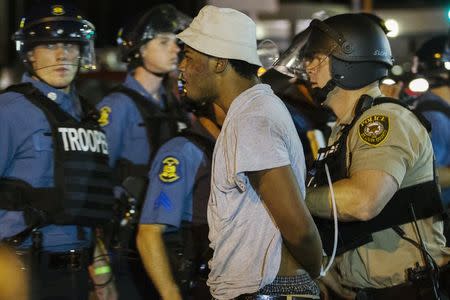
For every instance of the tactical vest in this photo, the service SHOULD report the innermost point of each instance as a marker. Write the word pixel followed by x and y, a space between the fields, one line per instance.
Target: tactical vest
pixel 83 185
pixel 160 125
pixel 424 198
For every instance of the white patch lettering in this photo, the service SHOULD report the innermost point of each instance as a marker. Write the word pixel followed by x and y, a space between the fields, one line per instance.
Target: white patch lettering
pixel 73 138
pixel 63 132
pixel 83 139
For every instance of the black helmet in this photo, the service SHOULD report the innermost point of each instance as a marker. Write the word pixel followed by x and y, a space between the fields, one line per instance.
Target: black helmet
pixel 56 22
pixel 163 18
pixel 377 20
pixel 359 49
pixel 433 55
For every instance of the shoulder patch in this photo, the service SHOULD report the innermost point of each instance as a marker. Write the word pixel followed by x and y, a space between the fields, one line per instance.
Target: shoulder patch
pixel 103 120
pixel 373 130
pixel 169 170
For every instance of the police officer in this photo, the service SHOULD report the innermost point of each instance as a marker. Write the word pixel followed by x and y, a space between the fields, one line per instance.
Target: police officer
pixel 173 231
pixel 138 116
pixel 380 161
pixel 55 182
pixel 143 112
pixel 430 62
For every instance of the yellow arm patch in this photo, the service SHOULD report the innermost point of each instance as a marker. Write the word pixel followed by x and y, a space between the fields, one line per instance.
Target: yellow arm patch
pixel 103 120
pixel 374 130
pixel 169 170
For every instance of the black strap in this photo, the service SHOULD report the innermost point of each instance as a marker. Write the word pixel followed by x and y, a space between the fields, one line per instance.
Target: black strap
pixel 439 106
pixel 206 144
pixel 416 112
pixel 148 110
pixel 35 96
pixel 424 197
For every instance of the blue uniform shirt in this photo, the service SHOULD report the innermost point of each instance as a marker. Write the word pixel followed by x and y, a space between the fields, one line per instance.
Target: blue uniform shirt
pixel 172 178
pixel 124 126
pixel 26 153
pixel 440 136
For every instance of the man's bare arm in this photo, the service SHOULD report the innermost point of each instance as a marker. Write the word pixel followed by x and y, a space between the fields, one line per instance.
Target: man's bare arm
pixel 280 192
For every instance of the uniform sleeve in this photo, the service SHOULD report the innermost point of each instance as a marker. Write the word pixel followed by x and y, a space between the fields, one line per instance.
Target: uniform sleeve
pixel 260 145
pixel 171 181
pixel 386 140
pixel 113 120
pixel 7 144
pixel 440 136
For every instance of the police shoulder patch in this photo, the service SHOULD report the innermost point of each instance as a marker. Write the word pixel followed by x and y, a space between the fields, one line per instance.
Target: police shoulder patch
pixel 169 170
pixel 374 129
pixel 103 120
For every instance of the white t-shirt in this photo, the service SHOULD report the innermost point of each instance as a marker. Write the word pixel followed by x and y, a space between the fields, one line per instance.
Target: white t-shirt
pixel 258 134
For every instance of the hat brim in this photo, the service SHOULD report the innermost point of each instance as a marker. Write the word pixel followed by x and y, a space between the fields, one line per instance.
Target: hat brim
pixel 219 48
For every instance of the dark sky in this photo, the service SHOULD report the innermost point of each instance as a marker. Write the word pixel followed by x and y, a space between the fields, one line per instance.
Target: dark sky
pixel 109 15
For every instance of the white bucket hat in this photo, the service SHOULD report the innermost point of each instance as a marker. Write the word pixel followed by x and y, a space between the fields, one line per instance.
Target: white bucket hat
pixel 224 33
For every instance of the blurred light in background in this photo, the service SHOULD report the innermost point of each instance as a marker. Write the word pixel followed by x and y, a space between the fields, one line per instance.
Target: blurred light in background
pixel 397 70
pixel 388 81
pixel 392 25
pixel 447 65
pixel 419 85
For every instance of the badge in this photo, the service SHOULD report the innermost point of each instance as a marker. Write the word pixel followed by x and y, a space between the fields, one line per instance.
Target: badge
pixel 169 170
pixel 103 120
pixel 58 10
pixel 373 130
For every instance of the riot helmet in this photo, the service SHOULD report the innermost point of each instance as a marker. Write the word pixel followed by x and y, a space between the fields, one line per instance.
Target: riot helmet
pixel 161 19
pixel 432 61
pixel 56 22
pixel 358 49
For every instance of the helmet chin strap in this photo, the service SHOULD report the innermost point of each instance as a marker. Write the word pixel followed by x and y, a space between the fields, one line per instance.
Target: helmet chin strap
pixel 320 94
pixel 33 73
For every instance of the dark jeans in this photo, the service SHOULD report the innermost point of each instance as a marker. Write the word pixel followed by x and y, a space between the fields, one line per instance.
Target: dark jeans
pixel 132 281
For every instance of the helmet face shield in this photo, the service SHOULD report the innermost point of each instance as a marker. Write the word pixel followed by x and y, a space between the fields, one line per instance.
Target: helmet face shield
pixel 307 51
pixel 291 62
pixel 162 19
pixel 49 28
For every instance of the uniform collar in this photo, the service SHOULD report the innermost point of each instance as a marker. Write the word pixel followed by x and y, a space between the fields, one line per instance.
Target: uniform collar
pixel 67 102
pixel 349 115
pixel 132 83
pixel 54 94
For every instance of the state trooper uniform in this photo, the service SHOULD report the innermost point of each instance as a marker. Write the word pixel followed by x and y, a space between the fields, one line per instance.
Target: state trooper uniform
pixel 55 182
pixel 137 123
pixel 379 258
pixel 177 196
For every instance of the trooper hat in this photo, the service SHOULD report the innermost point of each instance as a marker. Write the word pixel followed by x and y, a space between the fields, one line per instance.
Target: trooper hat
pixel 224 33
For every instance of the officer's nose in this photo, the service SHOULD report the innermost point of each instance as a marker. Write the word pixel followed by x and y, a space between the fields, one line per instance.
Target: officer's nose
pixel 61 51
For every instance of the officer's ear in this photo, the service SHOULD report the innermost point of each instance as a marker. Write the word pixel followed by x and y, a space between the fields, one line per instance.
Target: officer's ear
pixel 221 65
